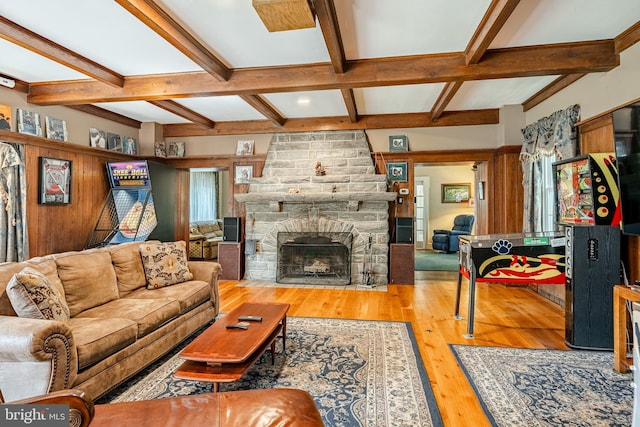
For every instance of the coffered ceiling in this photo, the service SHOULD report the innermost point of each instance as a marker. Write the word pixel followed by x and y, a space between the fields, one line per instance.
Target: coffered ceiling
pixel 210 67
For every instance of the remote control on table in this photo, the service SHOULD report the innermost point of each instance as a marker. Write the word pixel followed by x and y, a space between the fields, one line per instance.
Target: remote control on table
pixel 239 325
pixel 251 318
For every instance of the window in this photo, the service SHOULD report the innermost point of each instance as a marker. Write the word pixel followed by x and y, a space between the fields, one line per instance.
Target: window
pixel 203 196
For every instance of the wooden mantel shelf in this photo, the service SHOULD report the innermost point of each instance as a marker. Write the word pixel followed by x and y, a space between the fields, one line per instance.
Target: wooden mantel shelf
pixel 315 197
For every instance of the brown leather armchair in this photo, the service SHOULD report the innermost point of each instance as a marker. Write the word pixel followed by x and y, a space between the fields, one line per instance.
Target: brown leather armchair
pixel 246 408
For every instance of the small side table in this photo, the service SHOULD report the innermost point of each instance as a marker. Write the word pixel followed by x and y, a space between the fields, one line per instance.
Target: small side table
pixel 621 294
pixel 401 263
pixel 231 258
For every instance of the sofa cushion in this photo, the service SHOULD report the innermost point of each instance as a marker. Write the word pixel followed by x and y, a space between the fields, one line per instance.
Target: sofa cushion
pixel 88 278
pixel 98 338
pixel 33 295
pixel 149 314
pixel 127 264
pixel 45 265
pixel 188 294
pixel 165 263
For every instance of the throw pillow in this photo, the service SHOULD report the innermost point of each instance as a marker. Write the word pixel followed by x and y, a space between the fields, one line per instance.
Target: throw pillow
pixel 32 295
pixel 165 263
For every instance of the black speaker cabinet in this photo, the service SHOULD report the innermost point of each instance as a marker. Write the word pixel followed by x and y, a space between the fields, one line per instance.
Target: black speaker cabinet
pixel 404 230
pixel 231 231
pixel 592 257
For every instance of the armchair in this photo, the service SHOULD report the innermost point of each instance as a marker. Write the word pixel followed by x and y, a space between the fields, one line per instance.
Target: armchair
pixel 447 240
pixel 258 407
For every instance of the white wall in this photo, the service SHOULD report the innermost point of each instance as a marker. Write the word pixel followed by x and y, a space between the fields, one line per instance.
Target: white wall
pixel 440 214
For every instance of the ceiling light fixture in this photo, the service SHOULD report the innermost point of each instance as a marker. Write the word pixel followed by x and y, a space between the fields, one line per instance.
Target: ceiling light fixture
pixel 284 15
pixel 303 101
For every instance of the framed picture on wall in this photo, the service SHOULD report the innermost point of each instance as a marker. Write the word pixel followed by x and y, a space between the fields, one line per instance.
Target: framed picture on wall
pixel 29 122
pixel 56 128
pixel 54 181
pixel 243 174
pixel 455 193
pixel 244 148
pixel 397 171
pixel 398 143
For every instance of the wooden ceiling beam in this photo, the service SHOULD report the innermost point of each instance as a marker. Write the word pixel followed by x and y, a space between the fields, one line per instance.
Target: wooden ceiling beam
pixel 106 114
pixel 492 22
pixel 184 112
pixel 29 40
pixel 264 108
pixel 383 121
pixel 628 37
pixel 163 24
pixel 551 89
pixel 328 20
pixel 350 103
pixel 566 58
pixel 446 95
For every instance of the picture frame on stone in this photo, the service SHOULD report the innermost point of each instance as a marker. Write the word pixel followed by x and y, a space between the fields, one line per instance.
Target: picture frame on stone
pixel 243 174
pixel 397 171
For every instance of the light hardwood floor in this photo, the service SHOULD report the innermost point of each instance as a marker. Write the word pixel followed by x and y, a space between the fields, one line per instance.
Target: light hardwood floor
pixel 506 316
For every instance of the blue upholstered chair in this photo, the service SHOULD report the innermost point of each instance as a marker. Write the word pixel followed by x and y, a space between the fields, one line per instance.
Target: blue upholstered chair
pixel 447 240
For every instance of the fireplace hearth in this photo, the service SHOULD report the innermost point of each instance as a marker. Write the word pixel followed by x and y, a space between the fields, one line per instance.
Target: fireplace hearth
pixel 314 259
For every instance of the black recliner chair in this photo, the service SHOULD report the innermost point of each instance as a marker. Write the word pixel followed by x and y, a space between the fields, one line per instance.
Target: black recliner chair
pixel 447 240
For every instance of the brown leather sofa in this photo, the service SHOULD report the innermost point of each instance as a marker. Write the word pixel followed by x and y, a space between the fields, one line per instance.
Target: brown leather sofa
pixel 247 408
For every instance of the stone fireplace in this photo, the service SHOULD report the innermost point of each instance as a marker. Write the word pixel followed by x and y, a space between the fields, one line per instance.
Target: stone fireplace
pixel 320 204
pixel 314 258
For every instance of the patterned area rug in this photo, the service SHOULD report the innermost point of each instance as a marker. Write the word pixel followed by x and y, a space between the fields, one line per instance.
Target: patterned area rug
pixel 523 387
pixel 360 373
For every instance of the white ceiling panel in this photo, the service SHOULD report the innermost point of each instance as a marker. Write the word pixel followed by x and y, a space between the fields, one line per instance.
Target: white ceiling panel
pixel 102 31
pixel 477 95
pixel 380 28
pixel 233 30
pixel 537 22
pixel 397 99
pixel 142 111
pixel 222 108
pixel 320 103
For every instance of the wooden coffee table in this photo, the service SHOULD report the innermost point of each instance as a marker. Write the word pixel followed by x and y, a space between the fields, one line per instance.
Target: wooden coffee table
pixel 220 355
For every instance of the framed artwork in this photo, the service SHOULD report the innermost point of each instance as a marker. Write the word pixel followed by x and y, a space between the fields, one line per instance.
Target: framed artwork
pixel 29 122
pixel 481 190
pixel 455 193
pixel 159 149
pixel 5 117
pixel 245 148
pixel 176 149
pixel 114 142
pixel 397 171
pixel 243 174
pixel 56 128
pixel 398 143
pixel 97 138
pixel 129 145
pixel 54 181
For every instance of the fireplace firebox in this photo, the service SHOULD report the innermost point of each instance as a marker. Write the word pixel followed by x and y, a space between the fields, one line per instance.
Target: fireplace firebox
pixel 314 258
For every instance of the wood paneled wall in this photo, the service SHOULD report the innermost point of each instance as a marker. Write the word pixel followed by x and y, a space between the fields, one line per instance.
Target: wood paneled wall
pixel 505 187
pixel 58 228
